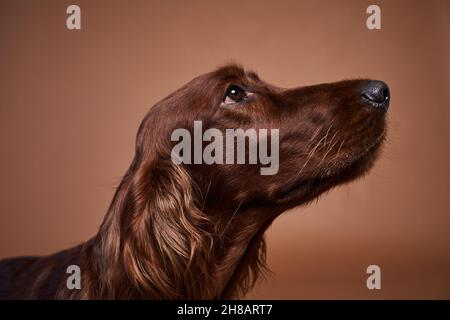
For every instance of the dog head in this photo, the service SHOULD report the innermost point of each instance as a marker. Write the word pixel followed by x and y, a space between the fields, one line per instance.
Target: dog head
pixel 169 224
pixel 327 134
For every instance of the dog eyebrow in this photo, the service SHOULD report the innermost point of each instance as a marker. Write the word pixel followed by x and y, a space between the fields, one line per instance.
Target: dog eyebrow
pixel 254 76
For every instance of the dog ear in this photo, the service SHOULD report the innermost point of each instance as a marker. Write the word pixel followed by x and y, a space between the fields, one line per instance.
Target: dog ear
pixel 165 244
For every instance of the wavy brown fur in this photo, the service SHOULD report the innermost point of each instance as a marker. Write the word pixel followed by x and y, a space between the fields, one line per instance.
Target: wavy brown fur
pixel 196 231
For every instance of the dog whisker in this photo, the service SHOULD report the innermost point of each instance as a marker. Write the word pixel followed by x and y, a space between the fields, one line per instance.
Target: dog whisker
pixel 328 131
pixel 325 155
pixel 310 155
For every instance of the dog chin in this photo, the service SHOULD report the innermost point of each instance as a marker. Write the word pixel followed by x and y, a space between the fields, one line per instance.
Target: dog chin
pixel 344 171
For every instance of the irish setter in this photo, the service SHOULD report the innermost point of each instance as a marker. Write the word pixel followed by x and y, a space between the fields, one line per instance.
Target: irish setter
pixel 195 231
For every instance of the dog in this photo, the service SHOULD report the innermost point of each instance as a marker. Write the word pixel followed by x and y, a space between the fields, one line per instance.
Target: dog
pixel 196 231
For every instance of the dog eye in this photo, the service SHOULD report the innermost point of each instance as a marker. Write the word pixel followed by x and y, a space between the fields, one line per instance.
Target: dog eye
pixel 234 94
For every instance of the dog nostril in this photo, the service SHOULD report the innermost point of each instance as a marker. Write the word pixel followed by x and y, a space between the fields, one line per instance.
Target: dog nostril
pixel 386 93
pixel 376 94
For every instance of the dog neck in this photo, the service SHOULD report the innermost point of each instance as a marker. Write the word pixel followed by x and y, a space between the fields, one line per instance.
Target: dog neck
pixel 228 269
pixel 244 259
pixel 158 241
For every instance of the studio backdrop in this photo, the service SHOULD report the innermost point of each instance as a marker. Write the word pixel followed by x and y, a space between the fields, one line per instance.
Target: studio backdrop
pixel 71 101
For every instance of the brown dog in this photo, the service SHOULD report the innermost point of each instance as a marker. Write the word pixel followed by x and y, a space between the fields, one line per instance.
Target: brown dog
pixel 196 230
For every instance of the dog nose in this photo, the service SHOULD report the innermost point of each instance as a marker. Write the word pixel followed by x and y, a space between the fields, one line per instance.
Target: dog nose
pixel 376 94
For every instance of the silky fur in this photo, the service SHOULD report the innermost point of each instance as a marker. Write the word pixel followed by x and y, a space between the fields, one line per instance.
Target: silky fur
pixel 196 231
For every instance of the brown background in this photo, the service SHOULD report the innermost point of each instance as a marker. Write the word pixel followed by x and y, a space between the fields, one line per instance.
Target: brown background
pixel 71 102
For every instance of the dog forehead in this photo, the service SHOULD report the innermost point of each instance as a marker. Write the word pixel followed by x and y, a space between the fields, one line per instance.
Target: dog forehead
pixel 235 72
pixel 230 70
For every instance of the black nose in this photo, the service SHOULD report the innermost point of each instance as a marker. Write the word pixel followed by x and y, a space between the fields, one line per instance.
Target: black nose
pixel 376 94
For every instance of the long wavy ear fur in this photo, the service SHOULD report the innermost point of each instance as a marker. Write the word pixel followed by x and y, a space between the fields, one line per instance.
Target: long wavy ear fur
pixel 156 236
pixel 167 221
